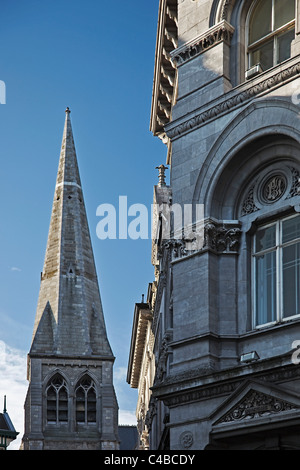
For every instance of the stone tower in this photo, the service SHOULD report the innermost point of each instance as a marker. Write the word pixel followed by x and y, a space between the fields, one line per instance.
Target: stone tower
pixel 222 371
pixel 70 403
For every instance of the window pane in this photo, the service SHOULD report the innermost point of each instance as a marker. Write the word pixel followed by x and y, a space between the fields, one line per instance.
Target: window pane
pixel 91 411
pixel 290 229
pixel 266 238
pixel 284 45
pixel 266 288
pixel 261 21
pixel 263 55
pixel 63 405
pixel 291 280
pixel 284 12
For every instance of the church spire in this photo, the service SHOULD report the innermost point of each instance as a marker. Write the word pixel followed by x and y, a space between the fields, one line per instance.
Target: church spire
pixel 69 318
pixel 71 402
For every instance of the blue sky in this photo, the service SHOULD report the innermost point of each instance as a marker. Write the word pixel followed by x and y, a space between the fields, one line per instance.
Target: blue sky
pixel 98 59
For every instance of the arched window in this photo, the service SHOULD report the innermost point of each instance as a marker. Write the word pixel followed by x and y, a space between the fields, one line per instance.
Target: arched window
pixel 86 401
pixel 276 269
pixel 57 400
pixel 271 31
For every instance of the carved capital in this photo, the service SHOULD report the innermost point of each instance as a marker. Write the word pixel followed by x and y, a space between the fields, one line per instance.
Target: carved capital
pixel 211 235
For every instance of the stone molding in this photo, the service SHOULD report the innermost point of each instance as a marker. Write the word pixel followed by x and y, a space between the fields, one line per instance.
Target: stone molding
pixel 225 8
pixel 220 32
pixel 233 99
pixel 187 394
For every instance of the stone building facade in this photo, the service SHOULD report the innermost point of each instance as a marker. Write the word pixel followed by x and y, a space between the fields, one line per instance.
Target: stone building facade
pixel 225 302
pixel 71 402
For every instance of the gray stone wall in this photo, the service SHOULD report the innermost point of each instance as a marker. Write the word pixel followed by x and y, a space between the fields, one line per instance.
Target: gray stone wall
pixel 226 132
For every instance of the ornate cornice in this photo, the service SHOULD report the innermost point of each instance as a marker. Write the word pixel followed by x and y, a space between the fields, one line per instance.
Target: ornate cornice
pixel 182 388
pixel 142 318
pixel 232 100
pixel 220 32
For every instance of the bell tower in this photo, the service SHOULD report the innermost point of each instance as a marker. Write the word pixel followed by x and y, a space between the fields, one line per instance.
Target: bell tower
pixel 71 402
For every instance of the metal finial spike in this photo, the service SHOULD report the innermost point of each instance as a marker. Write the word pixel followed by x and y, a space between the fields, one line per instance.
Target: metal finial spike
pixel 4 409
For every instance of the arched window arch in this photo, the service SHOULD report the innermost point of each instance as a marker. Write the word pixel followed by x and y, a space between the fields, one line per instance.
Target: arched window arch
pixel 271 29
pixel 86 402
pixel 57 400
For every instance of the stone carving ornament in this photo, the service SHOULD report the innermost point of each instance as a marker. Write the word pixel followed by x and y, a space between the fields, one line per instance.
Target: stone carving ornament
pixel 272 186
pixel 186 439
pixel 254 405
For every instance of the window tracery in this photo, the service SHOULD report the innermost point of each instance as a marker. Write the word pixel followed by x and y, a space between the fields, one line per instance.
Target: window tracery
pixel 57 400
pixel 86 401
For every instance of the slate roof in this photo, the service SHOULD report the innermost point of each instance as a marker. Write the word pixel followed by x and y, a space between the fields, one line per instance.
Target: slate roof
pixel 128 436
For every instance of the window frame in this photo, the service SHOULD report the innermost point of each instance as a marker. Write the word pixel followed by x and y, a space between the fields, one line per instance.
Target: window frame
pixel 87 402
pixel 279 246
pixel 273 35
pixel 58 408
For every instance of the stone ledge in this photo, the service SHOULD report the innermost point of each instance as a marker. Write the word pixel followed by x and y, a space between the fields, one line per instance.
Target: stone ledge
pixel 235 98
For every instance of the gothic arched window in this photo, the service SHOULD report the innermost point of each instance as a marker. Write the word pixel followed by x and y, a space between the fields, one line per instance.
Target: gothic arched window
pixel 271 31
pixel 86 404
pixel 57 400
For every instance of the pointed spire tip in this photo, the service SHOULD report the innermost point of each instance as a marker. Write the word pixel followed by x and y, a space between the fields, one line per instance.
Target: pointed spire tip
pixel 68 111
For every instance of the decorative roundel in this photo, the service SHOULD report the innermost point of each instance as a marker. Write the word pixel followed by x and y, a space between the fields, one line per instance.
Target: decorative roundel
pixel 186 439
pixel 273 188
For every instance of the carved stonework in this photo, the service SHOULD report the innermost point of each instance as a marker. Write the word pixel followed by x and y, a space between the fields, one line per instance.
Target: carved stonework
pixel 223 31
pixel 273 188
pixel 152 410
pixel 270 188
pixel 295 187
pixel 254 405
pixel 176 247
pixel 231 100
pixel 186 440
pixel 225 8
pixel 161 366
pixel 248 205
pixel 222 238
pixel 212 235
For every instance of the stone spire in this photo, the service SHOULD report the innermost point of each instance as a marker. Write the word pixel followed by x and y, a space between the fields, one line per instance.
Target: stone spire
pixel 69 318
pixel 71 403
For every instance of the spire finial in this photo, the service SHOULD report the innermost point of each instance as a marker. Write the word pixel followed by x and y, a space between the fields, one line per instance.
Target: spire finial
pixel 4 409
pixel 161 175
pixel 68 110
